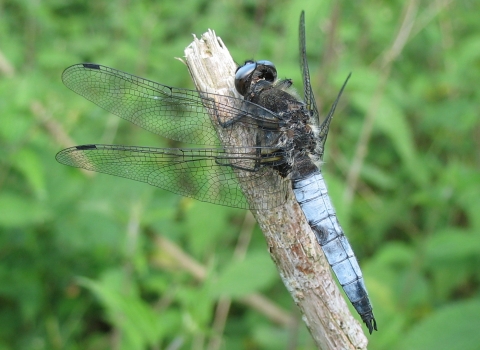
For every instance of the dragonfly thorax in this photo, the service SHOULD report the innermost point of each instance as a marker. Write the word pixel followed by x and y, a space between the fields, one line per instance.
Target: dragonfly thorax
pixel 299 136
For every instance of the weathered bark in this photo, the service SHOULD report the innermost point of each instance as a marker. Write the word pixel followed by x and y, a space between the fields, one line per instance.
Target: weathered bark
pixel 292 245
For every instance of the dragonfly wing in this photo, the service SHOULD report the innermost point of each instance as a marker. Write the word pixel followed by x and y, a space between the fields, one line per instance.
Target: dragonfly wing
pixel 178 114
pixel 307 87
pixel 203 174
pixel 309 96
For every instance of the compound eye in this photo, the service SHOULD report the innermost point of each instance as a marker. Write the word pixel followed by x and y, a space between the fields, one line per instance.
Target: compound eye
pixel 243 76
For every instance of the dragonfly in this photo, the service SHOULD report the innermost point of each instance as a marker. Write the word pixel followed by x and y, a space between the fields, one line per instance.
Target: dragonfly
pixel 270 140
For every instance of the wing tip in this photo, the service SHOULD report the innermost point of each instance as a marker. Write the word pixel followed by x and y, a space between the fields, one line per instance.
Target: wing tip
pixel 80 65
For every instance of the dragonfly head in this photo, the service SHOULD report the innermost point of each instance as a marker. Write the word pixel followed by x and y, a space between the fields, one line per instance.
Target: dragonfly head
pixel 253 71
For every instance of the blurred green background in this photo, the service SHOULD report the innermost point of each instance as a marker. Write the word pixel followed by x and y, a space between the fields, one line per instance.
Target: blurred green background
pixel 90 261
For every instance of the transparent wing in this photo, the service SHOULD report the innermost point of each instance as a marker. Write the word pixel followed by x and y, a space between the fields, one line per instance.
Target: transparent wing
pixel 203 174
pixel 307 88
pixel 309 97
pixel 178 114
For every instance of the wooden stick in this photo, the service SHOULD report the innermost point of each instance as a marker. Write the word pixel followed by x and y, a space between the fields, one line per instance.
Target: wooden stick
pixel 292 245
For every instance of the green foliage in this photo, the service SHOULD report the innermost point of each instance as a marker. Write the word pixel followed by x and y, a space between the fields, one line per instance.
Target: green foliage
pixel 138 324
pixel 240 278
pixel 458 322
pixel 81 263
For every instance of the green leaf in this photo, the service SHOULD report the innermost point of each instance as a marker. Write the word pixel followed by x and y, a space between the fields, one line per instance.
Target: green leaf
pixel 18 211
pixel 452 257
pixel 238 279
pixel 392 121
pixel 32 169
pixel 453 327
pixel 205 223
pixel 378 177
pixel 452 245
pixel 139 323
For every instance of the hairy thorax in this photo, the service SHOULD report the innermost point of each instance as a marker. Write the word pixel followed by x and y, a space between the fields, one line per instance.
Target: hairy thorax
pixel 298 139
